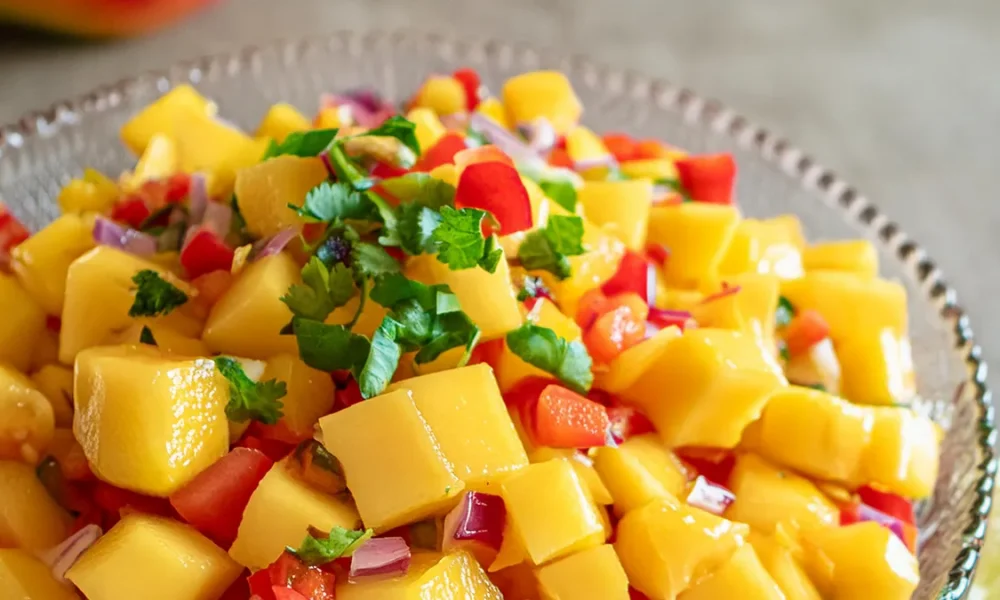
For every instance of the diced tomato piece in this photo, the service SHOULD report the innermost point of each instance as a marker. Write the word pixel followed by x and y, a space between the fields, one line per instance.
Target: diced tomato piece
pixel 658 253
pixel 496 188
pixel 524 395
pixel 12 231
pixel 487 352
pixel 260 584
pixel 891 504
pixel 635 594
pixel 386 171
pixel 481 154
pixel 214 500
pixel 806 329
pixel 591 305
pixel 131 210
pixel 627 421
pixel 211 286
pixel 708 178
pixel 279 432
pixel 289 573
pixel 635 274
pixel 441 153
pixel 113 500
pixel 621 145
pixel 177 188
pixel 469 79
pixel 565 419
pixel 651 149
pixel 273 449
pixel 349 395
pixel 618 329
pixel 205 253
pixel 315 584
pixel 283 593
pixel 713 464
pixel 559 157
pixel 239 590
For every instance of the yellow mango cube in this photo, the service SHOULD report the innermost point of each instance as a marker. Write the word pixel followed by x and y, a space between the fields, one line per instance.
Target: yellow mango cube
pixel 876 367
pixel 620 207
pixel 24 577
pixel 310 392
pixel 518 581
pixel 741 577
pixel 94 192
pixel 281 120
pixel 159 116
pixel 56 383
pixel 551 511
pixel 158 161
pixel 487 298
pixel 584 467
pixel 332 117
pixel 767 495
pixel 593 573
pixel 29 517
pixel 542 94
pixel 206 144
pixel 155 559
pixel 494 109
pixel 629 366
pixel 511 368
pixel 697 235
pixel 247 319
pixel 167 339
pixel 444 95
pixel 427 127
pixel 869 562
pixel 582 144
pixel 264 191
pixel 431 576
pixel 769 246
pixel 23 323
pixel 99 294
pixel 837 294
pixel 458 401
pixel 649 168
pixel 706 387
pixel 640 470
pixel 665 546
pixel 46 350
pixel 148 423
pixel 279 513
pixel 392 461
pixel 853 256
pixel 751 309
pixel 783 568
pixel 41 262
pixel 26 418
pixel 902 453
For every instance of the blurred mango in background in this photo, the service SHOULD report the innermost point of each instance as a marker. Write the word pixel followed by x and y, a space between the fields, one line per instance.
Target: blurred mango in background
pixel 98 18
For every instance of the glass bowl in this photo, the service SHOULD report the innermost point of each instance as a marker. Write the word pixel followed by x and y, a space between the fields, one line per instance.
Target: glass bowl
pixel 42 151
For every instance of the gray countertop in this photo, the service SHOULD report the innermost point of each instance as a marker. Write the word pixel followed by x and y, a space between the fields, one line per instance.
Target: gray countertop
pixel 900 97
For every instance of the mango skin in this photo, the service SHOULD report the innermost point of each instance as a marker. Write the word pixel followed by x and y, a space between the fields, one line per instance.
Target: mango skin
pixel 742 576
pixel 29 517
pixel 148 423
pixel 23 323
pixel 25 577
pixel 153 558
pixel 41 262
pixel 593 573
pixel 869 562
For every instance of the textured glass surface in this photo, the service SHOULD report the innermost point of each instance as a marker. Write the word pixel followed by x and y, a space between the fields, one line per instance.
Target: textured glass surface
pixel 43 151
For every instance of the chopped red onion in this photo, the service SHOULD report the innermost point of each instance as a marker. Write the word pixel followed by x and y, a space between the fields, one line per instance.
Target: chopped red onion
pixel 662 318
pixel 197 197
pixel 608 160
pixel 62 557
pixel 277 242
pixel 710 497
pixel 506 141
pixel 108 233
pixel 867 513
pixel 189 235
pixel 727 290
pixel 380 556
pixel 362 107
pixel 539 133
pixel 476 524
pixel 218 218
pixel 455 121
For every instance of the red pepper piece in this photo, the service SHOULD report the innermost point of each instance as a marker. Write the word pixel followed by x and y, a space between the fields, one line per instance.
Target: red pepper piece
pixel 651 149
pixel 662 318
pixel 658 253
pixel 487 352
pixel 713 464
pixel 131 210
pixel 621 146
pixel 471 156
pixel 113 500
pixel 441 153
pixel 204 253
pixel 12 231
pixel 805 330
pixel 560 158
pixel 618 329
pixel 708 178
pixel 350 395
pixel 177 189
pixel 283 593
pixel 260 584
pixel 385 171
pixel 635 274
pixel 891 504
pixel 565 419
pixel 592 305
pixel 469 79
pixel 273 449
pixel 627 421
pixel 496 188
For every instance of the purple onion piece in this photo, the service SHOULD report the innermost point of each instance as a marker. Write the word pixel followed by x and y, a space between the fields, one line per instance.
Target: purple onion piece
pixel 218 218
pixel 710 497
pixel 540 134
pixel 277 242
pixel 197 197
pixel 506 141
pixel 478 518
pixel 108 233
pixel 62 557
pixel 650 284
pixel 388 556
pixel 608 160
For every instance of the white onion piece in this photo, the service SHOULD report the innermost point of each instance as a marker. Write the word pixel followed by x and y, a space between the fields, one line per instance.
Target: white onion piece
pixel 108 233
pixel 62 557
pixel 277 242
pixel 540 133
pixel 505 141
pixel 388 556
pixel 608 160
pixel 710 497
pixel 476 524
pixel 218 218
pixel 197 197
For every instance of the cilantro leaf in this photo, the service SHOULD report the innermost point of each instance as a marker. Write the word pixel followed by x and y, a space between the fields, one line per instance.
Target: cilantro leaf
pixel 416 227
pixel 328 202
pixel 146 336
pixel 542 348
pixel 676 186
pixel 421 189
pixel 565 233
pixel 370 261
pixel 562 192
pixel 784 313
pixel 459 237
pixel 260 401
pixel 400 128
pixel 446 302
pixel 547 249
pixel 302 143
pixel 329 347
pixel 315 551
pixel 415 324
pixel 322 291
pixel 389 290
pixel 382 360
pixel 451 330
pixel 492 255
pixel 154 295
pixel 533 287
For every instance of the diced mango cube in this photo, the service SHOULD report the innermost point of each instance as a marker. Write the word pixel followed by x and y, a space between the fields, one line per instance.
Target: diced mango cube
pixel 771 246
pixel 551 511
pixel 24 577
pixel 153 558
pixel 494 109
pixel 593 573
pixel 620 207
pixel 876 367
pixel 159 116
pixel 458 401
pixel 629 366
pixel 510 367
pixel 869 562
pixel 281 120
pixel 393 463
pixel 427 127
pixel 542 94
pixel 431 576
pixel 665 546
pixel 41 262
pixel 518 581
pixel 444 95
pixel 265 190
pixel 279 513
pixel 590 269
pixel 206 144
pixel 783 568
pixel 148 423
pixel 333 117
pixel 310 393
pixel 697 235
pixel 23 323
pixel 854 256
pixel 26 418
pixel 167 339
pixel 742 576
pixel 94 192
pixel 29 517
pixel 56 383
pixel 582 144
pixel 584 467
pixel 640 470
pixel 158 161
pixel 902 453
pixel 649 168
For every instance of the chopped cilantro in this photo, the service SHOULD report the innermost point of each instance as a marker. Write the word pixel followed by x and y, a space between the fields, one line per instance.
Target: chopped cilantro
pixel 329 202
pixel 302 143
pixel 784 313
pixel 676 186
pixel 154 296
pixel 146 336
pixel 322 290
pixel 382 360
pixel 783 351
pixel 394 288
pixel 450 330
pixel 562 192
pixel 372 261
pixel 260 401
pixel 460 241
pixel 329 347
pixel 547 249
pixel 400 128
pixel 492 255
pixel 542 348
pixel 315 551
pixel 533 287
pixel 422 189
pixel 817 386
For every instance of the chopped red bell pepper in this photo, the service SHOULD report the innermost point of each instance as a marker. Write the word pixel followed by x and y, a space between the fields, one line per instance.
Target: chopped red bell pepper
pixel 481 154
pixel 559 157
pixel 214 500
pixel 113 500
pixel 628 421
pixel 260 585
pixel 658 253
pixel 891 504
pixel 283 593
pixel 239 590
pixel 496 188
pixel 635 274
pixel 53 323
pixel 806 329
pixel 212 286
pixel 708 178
pixel 662 318
pixel 713 464
pixel 273 449
pixel 280 432
pixel 523 396
pixel 441 153
pixel 131 210
pixel 487 352
pixel 206 252
pixel 349 395
pixel 12 231
pixel 617 330
pixel 635 594
pixel 592 304
pixel 178 186
pixel 469 79
pixel 290 573
pixel 565 419
pixel 387 171
pixel 620 145
pixel 645 149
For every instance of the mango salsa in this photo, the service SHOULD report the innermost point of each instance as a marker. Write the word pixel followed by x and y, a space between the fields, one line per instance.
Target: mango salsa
pixel 593 573
pixel 25 577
